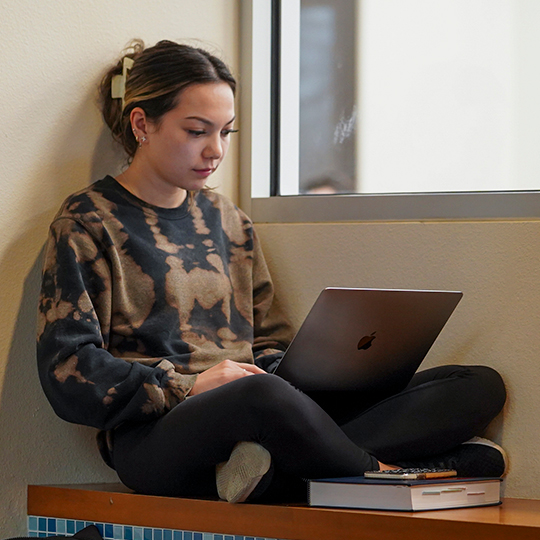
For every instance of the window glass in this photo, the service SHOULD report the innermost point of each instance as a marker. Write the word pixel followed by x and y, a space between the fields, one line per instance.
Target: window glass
pixel 400 96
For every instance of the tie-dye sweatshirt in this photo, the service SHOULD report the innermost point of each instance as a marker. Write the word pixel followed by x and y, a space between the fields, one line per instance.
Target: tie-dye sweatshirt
pixel 137 300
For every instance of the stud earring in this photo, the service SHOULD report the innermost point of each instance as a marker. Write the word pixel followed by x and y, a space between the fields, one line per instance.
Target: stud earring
pixel 141 141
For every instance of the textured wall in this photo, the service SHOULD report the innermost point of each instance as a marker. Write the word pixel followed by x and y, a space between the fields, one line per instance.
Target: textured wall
pixel 495 264
pixel 52 142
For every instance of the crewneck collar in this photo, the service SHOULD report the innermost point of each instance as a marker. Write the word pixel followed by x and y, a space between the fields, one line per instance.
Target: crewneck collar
pixel 168 213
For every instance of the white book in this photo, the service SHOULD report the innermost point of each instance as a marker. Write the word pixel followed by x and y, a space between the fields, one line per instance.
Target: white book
pixel 404 495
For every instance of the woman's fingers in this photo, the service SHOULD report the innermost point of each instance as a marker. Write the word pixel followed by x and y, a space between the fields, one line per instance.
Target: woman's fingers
pixel 221 374
pixel 251 368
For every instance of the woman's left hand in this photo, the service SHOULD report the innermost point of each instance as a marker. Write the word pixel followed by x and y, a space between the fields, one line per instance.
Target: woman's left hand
pixel 222 373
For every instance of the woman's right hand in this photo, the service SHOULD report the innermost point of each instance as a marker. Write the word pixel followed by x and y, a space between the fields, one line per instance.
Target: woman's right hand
pixel 221 374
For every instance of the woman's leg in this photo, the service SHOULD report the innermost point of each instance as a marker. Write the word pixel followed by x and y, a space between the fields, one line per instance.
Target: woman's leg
pixel 440 409
pixel 177 454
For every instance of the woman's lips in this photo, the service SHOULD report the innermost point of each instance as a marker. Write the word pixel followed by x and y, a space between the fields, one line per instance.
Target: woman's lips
pixel 204 172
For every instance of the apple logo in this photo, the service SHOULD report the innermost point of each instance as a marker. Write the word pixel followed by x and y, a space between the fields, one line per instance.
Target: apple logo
pixel 366 341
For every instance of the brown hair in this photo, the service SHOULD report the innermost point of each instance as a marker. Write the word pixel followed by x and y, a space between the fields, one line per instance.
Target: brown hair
pixel 154 83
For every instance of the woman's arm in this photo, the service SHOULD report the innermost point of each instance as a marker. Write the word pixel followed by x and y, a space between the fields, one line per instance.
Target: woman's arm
pixel 83 381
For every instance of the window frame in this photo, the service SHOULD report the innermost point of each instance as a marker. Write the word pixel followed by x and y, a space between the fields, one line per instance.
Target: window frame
pixel 263 165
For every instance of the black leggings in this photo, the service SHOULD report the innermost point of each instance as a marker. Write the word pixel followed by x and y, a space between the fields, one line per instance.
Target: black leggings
pixel 327 434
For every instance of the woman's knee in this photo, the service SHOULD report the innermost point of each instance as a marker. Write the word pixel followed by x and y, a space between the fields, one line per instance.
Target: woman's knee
pixel 268 388
pixel 482 381
pixel 490 385
pixel 272 398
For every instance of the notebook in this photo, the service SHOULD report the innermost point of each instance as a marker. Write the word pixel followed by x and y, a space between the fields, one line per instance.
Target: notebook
pixel 365 339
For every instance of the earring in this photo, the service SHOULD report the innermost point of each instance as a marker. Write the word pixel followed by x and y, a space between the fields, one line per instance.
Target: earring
pixel 137 140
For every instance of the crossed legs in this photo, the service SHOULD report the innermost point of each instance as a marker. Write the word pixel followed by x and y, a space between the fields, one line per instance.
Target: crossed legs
pixel 177 454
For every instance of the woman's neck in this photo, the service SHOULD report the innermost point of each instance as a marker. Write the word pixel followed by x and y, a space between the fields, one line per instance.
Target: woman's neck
pixel 145 185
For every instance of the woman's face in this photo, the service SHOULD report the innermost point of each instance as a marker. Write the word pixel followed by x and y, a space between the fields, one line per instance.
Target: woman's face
pixel 191 140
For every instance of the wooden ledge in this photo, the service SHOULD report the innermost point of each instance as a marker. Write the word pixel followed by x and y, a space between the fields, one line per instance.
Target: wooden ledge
pixel 515 519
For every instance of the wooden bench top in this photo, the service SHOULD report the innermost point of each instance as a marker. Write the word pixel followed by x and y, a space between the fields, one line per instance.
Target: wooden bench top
pixel 515 519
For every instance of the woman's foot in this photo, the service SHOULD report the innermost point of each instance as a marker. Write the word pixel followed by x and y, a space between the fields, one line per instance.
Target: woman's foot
pixel 238 477
pixel 477 457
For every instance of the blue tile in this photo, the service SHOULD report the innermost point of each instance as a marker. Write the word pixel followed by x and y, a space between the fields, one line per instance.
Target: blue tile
pixel 239 538
pixel 197 536
pixel 128 533
pixel 100 527
pixel 32 523
pixel 147 535
pixel 61 526
pixel 33 534
pixel 118 532
pixel 108 530
pixel 79 526
pixel 218 537
pixel 167 534
pixel 188 535
pixel 137 533
pixel 42 535
pixel 177 535
pixel 158 534
pixel 42 524
pixel 227 537
pixel 70 526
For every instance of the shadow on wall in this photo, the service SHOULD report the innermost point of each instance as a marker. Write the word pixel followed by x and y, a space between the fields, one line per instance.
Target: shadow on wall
pixel 36 446
pixel 108 158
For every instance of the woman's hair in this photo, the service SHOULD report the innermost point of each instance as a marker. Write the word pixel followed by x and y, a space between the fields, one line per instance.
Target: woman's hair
pixel 154 82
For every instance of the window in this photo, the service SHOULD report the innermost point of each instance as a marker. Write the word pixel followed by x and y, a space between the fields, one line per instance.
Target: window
pixel 408 109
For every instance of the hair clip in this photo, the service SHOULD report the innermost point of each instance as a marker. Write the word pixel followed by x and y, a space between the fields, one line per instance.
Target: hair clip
pixel 118 82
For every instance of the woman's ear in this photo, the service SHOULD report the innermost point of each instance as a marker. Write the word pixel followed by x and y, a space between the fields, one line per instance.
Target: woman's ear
pixel 139 123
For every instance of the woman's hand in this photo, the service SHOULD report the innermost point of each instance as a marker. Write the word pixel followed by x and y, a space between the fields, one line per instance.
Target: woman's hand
pixel 221 374
pixel 384 467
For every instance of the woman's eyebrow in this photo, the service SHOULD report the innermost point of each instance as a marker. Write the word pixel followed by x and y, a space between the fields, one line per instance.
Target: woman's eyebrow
pixel 208 122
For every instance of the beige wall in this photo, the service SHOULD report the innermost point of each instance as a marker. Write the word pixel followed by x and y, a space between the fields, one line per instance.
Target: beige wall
pixel 495 264
pixel 52 142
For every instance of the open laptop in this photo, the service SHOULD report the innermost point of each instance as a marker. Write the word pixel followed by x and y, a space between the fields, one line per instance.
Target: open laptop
pixel 365 339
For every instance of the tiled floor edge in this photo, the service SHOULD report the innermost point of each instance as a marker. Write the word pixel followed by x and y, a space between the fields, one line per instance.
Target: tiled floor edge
pixel 43 526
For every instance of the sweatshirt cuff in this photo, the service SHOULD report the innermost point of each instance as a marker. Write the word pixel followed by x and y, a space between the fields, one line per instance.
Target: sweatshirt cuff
pixel 175 385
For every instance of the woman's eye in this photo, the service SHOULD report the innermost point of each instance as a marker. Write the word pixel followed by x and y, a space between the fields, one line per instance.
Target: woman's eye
pixel 196 132
pixel 226 132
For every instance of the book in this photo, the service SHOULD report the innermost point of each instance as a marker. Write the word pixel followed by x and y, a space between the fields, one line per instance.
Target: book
pixel 404 495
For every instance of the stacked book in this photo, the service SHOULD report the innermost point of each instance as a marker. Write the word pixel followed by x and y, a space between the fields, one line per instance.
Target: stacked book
pixel 405 495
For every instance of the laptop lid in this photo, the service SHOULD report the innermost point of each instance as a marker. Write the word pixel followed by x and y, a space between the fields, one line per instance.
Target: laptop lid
pixel 354 339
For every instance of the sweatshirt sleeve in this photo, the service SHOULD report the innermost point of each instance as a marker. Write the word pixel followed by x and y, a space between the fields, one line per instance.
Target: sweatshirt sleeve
pixel 84 383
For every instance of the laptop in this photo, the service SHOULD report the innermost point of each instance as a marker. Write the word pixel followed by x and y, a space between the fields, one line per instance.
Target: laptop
pixel 365 339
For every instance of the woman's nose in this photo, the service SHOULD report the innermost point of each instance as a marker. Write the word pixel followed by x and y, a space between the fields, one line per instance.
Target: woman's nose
pixel 214 149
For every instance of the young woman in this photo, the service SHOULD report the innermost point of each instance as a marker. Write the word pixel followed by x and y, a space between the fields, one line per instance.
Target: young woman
pixel 157 323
